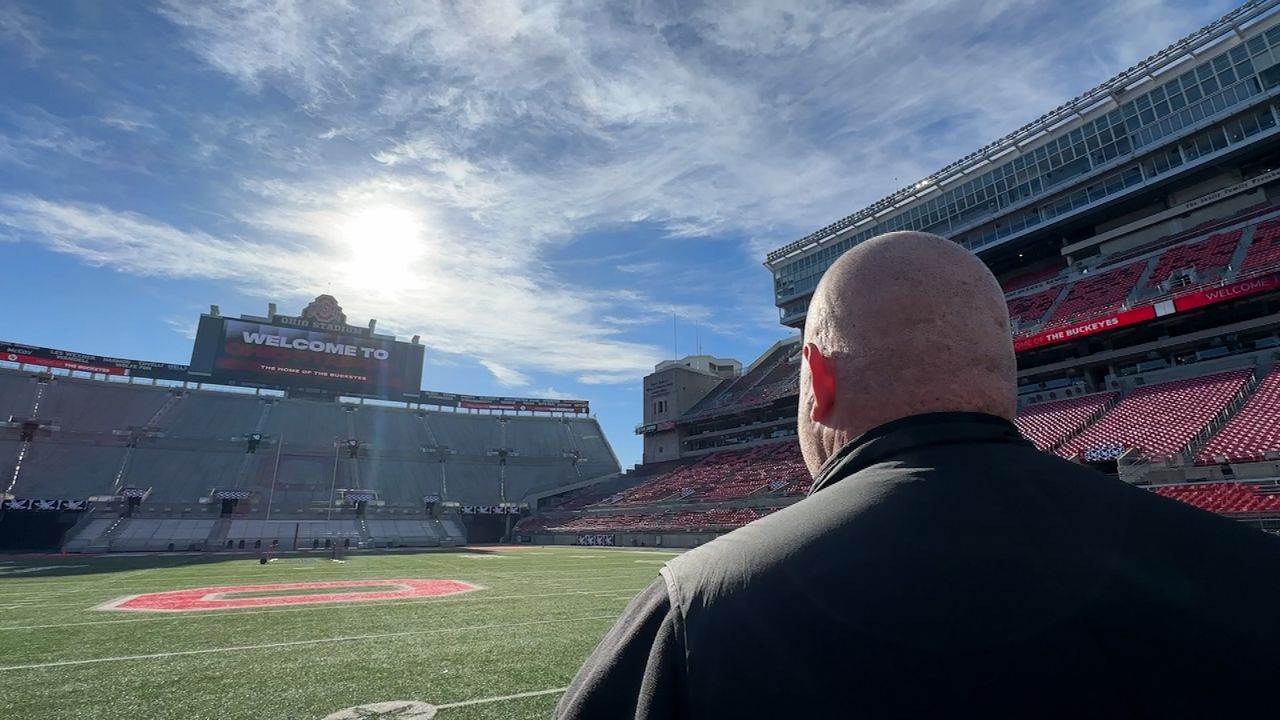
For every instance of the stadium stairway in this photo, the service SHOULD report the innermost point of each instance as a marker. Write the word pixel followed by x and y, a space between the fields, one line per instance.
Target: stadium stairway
pixel 1237 258
pixel 1221 419
pixel 218 535
pixel 1053 307
pixel 1140 286
pixel 248 465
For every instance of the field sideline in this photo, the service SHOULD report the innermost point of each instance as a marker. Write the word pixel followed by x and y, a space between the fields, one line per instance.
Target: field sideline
pixel 505 650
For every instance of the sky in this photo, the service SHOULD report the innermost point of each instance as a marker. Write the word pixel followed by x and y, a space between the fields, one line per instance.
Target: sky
pixel 554 195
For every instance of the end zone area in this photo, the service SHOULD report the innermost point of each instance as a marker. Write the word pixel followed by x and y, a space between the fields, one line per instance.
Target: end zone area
pixel 468 639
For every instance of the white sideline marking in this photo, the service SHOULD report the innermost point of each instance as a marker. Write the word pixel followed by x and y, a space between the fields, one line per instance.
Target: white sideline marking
pixel 500 698
pixel 296 643
pixel 339 606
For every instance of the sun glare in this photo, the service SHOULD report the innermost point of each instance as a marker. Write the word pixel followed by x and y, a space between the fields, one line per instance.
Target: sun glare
pixel 382 245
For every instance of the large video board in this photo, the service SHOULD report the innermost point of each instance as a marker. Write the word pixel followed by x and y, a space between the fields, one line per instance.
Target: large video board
pixel 260 354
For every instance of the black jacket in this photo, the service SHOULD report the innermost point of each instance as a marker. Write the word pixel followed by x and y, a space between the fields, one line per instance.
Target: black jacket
pixel 943 567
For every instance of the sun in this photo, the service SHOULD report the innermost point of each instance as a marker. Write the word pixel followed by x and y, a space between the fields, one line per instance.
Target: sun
pixel 381 246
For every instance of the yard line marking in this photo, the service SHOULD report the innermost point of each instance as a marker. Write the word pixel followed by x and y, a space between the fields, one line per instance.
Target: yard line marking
pixel 236 613
pixel 297 643
pixel 501 698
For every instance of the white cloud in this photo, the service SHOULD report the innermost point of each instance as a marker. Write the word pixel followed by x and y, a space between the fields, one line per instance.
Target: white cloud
pixel 184 326
pixel 40 134
pixel 506 377
pixel 129 118
pixel 507 131
pixel 640 268
pixel 552 394
pixel 459 302
pixel 21 31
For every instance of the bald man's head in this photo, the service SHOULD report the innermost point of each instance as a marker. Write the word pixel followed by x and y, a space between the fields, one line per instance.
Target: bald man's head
pixel 903 324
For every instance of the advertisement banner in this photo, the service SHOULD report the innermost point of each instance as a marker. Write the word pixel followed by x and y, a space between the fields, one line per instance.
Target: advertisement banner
pixel 1084 329
pixel 1239 289
pixel 262 354
pixel 81 362
pixel 522 404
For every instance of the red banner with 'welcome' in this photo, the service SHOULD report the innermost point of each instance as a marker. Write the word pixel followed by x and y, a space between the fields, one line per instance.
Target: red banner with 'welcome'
pixel 1242 288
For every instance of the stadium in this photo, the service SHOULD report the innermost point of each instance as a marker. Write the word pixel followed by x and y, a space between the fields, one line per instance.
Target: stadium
pixel 291 506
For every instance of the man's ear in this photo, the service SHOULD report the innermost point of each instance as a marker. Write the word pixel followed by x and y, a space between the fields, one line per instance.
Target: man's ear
pixel 822 375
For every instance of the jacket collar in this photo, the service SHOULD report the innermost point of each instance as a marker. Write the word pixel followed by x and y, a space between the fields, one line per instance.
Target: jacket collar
pixel 909 433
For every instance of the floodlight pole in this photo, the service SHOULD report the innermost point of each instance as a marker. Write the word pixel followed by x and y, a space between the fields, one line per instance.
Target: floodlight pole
pixel 333 485
pixel 275 472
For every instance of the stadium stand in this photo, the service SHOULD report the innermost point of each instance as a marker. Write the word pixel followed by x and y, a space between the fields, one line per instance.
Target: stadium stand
pixel 213 416
pixel 1253 432
pixel 99 407
pixel 697 520
pixel 1264 250
pixel 181 449
pixel 1094 295
pixel 1049 425
pixel 1209 259
pixel 1228 498
pixel 1030 309
pixel 724 475
pixel 1020 281
pixel 1162 419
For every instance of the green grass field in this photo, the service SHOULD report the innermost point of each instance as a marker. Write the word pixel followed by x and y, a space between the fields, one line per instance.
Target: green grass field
pixel 539 614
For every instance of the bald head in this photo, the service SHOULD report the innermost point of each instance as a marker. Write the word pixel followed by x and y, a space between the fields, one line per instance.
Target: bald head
pixel 903 324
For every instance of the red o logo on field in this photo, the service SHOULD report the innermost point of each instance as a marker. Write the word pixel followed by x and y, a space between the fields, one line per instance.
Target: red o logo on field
pixel 234 597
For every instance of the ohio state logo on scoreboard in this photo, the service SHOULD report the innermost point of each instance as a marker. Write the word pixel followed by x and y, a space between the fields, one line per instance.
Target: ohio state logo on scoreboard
pixel 325 309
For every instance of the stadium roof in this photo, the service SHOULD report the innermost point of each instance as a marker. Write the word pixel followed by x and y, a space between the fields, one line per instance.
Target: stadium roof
pixel 1075 109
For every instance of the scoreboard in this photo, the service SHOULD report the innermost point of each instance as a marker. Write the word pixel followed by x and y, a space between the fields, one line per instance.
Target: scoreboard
pixel 298 356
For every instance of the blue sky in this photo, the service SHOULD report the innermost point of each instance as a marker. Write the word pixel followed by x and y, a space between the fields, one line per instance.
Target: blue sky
pixel 534 188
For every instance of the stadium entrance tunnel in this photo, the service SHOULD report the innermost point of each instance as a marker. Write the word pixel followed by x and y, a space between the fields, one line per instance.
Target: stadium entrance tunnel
pixel 487 528
pixel 34 530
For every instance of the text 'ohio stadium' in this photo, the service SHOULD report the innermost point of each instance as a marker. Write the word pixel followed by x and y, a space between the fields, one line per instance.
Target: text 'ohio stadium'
pixel 1135 231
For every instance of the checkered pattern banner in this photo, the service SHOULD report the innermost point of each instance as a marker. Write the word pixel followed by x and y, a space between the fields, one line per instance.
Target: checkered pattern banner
pixel 1103 453
pixel 489 510
pixel 355 497
pixel 43 505
pixel 133 492
pixel 231 494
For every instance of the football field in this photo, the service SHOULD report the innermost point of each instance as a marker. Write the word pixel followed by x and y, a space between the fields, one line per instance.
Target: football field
pixel 481 633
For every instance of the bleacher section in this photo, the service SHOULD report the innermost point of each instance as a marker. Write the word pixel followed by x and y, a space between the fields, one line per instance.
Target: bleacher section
pixel 212 416
pixel 1161 420
pixel 17 391
pixel 770 378
pixel 1253 432
pixel 98 438
pixel 1208 258
pixel 1264 250
pixel 1030 309
pixel 1048 425
pixel 724 475
pixel 1095 295
pixel 1228 498
pixel 720 519
pixel 99 407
